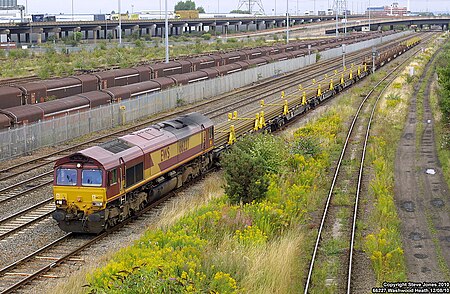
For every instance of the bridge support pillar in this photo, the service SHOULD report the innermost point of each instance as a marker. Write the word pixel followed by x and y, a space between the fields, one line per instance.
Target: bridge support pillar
pixel 135 30
pixel 39 38
pixel 57 32
pixel 18 38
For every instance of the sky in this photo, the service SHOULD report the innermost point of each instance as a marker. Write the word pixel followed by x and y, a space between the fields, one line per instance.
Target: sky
pixel 213 6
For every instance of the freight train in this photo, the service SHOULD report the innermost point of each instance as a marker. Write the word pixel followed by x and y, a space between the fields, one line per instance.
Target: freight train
pixel 118 85
pixel 100 186
pixel 41 91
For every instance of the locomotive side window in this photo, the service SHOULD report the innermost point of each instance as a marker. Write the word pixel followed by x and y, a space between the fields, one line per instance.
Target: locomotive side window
pixel 91 177
pixel 211 132
pixel 112 180
pixel 135 174
pixel 66 176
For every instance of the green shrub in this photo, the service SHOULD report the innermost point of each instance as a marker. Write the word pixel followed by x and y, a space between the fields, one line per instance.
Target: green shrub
pixel 248 164
pixel 318 56
pixel 206 36
pixel 444 83
pixel 306 146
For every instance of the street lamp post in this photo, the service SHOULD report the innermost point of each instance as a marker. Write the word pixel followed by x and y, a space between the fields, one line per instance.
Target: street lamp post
pixel 345 19
pixel 72 10
pixel 287 21
pixel 166 33
pixel 343 56
pixel 337 20
pixel 309 54
pixel 120 25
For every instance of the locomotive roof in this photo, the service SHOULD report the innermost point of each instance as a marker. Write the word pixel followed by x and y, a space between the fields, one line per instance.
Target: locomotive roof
pixel 152 138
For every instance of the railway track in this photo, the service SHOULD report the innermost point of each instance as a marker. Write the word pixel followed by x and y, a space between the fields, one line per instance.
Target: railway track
pixel 344 196
pixel 11 81
pixel 26 217
pixel 22 188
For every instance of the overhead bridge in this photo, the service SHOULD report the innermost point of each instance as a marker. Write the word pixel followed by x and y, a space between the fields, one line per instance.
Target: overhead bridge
pixel 37 32
pixel 40 31
pixel 377 24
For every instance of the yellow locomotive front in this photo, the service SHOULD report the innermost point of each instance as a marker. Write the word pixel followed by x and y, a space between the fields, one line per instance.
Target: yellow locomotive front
pixel 79 192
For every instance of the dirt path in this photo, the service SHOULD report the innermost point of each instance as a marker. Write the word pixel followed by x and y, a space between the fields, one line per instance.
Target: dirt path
pixel 422 199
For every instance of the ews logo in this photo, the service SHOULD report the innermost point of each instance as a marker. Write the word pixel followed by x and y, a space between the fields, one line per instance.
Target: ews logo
pixel 183 146
pixel 165 154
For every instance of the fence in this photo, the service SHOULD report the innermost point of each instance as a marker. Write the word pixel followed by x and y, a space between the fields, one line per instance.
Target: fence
pixel 22 140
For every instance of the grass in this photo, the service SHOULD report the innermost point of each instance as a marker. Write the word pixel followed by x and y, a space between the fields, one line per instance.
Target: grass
pixel 442 133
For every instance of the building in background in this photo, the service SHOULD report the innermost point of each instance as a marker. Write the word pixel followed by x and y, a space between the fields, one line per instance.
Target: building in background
pixel 392 10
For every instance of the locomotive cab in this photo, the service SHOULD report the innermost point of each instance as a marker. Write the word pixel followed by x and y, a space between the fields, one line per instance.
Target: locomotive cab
pixel 79 191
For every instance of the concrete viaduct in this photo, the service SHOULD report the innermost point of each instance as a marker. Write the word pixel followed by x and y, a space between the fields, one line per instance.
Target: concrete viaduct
pixel 38 32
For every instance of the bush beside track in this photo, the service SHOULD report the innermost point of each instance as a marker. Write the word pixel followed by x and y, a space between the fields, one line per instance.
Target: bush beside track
pixel 440 101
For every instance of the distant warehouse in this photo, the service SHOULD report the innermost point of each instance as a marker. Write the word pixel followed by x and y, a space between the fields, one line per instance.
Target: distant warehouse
pixel 8 3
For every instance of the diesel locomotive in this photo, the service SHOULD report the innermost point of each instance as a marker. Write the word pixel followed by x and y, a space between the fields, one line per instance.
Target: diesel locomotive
pixel 99 186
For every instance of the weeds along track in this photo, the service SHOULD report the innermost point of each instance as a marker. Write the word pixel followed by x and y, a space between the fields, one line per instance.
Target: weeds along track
pixel 332 257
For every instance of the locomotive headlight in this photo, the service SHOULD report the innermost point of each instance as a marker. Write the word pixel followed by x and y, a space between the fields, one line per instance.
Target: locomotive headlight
pixel 78 165
pixel 99 204
pixel 60 202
